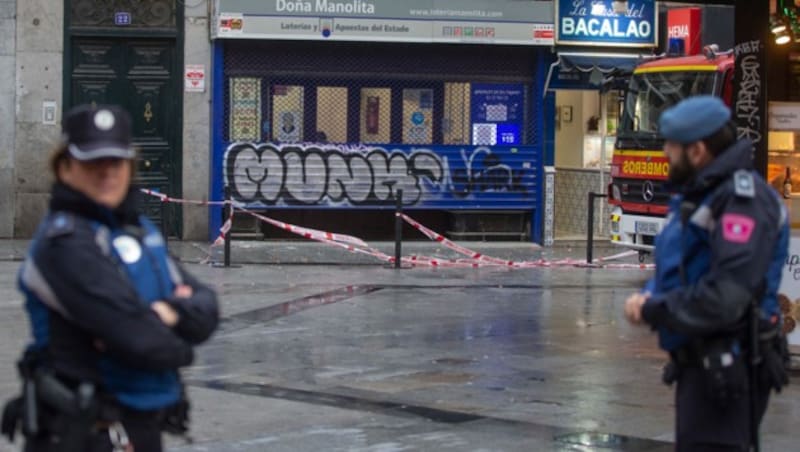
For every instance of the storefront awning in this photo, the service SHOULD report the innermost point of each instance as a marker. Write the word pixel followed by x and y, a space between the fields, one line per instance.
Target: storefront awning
pixel 589 70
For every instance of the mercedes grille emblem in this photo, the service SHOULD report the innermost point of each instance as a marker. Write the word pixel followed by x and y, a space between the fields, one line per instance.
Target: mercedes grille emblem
pixel 648 191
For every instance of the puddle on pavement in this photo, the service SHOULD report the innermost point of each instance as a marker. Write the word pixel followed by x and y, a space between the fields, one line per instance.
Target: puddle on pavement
pixel 594 441
pixel 454 361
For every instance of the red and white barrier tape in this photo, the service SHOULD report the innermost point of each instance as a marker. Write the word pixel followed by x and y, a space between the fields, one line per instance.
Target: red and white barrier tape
pixel 435 236
pixel 353 244
pixel 483 260
pixel 309 233
pixel 165 198
pixel 223 231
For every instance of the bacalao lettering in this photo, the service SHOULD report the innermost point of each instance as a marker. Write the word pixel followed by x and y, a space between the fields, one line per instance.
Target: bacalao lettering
pixel 604 28
pixel 645 168
pixel 325 6
pixel 584 21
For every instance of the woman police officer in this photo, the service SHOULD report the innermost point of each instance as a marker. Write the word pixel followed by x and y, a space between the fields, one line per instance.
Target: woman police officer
pixel 107 305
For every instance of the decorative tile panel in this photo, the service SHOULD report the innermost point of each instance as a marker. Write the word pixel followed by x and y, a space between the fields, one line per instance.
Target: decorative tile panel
pixel 245 115
pixel 571 202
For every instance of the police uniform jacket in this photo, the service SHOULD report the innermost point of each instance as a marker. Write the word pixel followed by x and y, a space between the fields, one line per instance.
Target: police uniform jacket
pixel 725 231
pixel 89 279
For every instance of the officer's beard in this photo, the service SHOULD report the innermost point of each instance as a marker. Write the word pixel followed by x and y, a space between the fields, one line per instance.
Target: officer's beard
pixel 682 173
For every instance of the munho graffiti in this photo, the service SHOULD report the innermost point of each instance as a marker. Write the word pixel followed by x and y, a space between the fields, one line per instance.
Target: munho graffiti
pixel 293 175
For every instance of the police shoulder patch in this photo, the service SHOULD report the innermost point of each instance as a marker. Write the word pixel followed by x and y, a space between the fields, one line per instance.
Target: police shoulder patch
pixel 743 184
pixel 60 224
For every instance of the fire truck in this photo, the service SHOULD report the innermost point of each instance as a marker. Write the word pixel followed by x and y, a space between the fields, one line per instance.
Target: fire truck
pixel 637 194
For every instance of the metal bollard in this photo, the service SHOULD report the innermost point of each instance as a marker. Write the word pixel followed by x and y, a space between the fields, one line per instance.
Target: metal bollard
pixel 398 228
pixel 228 213
pixel 590 226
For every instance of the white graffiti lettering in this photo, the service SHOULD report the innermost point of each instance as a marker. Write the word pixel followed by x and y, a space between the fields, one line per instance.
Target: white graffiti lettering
pixel 305 174
pixel 747 47
pixel 297 175
pixel 350 177
pixel 747 108
pixel 484 172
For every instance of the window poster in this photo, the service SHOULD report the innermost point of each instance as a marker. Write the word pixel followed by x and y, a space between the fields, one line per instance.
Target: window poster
pixel 245 109
pixel 417 116
pixel 497 113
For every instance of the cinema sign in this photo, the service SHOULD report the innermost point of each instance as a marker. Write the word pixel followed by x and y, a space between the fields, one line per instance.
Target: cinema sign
pixel 594 23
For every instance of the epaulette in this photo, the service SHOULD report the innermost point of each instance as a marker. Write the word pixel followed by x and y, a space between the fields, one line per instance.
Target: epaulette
pixel 60 224
pixel 743 184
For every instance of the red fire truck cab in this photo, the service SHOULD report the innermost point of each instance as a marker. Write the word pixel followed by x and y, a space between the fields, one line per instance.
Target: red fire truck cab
pixel 637 194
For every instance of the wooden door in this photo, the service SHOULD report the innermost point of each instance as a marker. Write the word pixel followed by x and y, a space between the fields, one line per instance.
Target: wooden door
pixel 141 76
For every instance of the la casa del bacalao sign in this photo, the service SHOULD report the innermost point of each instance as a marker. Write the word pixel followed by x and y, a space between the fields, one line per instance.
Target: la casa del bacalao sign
pixel 594 22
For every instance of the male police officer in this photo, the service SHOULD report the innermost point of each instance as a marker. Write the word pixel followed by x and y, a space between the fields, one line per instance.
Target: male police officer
pixel 721 249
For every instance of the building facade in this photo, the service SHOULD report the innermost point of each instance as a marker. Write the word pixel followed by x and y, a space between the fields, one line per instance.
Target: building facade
pixel 437 100
pixel 325 111
pixel 449 100
pixel 59 54
pixel 348 103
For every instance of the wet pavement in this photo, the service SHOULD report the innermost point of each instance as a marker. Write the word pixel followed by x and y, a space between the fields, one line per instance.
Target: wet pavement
pixel 352 356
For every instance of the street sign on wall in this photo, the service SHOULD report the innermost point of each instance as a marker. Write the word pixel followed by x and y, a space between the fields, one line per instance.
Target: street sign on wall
pixel 594 23
pixel 194 78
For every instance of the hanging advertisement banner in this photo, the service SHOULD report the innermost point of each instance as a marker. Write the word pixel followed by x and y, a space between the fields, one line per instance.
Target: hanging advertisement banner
pixel 471 21
pixel 595 23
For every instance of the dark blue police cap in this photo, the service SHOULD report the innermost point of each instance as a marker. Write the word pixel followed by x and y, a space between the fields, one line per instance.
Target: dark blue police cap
pixel 96 132
pixel 693 119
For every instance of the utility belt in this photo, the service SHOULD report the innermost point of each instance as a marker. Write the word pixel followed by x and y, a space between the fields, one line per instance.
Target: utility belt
pixel 722 365
pixel 723 362
pixel 50 406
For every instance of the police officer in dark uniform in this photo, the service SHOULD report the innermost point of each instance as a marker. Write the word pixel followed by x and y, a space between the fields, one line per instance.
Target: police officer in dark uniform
pixel 113 316
pixel 719 261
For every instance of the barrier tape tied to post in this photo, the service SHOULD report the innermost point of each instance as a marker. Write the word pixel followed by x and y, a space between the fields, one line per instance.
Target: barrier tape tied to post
pixel 353 244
